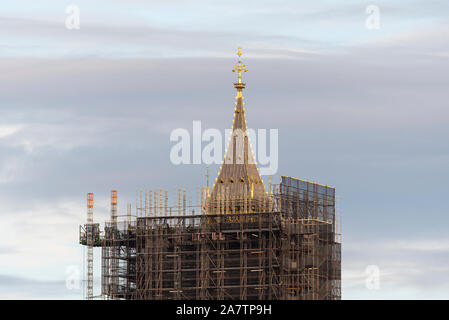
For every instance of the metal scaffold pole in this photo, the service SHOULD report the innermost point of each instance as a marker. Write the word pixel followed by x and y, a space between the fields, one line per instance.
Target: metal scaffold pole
pixel 90 247
pixel 114 261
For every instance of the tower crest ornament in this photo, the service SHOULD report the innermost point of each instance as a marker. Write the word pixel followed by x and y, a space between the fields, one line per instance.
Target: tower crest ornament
pixel 239 66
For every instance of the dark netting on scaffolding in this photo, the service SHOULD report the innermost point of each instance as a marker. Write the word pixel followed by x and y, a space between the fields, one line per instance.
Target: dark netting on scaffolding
pixel 208 257
pixel 118 260
pixel 311 253
pixel 307 200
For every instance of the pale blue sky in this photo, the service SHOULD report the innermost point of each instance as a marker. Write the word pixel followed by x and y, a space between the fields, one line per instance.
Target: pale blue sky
pixel 91 110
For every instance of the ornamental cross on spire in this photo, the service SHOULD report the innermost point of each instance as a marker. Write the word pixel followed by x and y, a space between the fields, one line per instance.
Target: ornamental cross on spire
pixel 239 66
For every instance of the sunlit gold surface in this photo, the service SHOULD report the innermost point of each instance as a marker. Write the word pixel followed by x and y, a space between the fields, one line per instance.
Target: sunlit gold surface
pixel 239 66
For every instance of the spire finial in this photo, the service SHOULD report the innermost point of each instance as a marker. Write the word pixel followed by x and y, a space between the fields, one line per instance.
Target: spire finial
pixel 239 53
pixel 239 66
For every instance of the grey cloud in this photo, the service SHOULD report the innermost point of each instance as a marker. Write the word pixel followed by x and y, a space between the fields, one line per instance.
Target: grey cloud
pixel 12 287
pixel 143 39
pixel 8 250
pixel 423 274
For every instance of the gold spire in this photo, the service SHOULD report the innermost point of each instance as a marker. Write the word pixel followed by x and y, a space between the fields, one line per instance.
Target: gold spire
pixel 238 185
pixel 239 66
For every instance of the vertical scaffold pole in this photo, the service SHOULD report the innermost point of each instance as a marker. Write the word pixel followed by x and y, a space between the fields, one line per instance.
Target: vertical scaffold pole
pixel 114 262
pixel 90 247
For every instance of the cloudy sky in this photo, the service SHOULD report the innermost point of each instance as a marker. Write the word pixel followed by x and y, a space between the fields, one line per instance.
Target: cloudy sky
pixel 91 109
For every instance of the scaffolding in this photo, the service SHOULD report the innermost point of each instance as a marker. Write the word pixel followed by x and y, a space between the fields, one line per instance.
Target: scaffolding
pixel 118 260
pixel 237 242
pixel 286 247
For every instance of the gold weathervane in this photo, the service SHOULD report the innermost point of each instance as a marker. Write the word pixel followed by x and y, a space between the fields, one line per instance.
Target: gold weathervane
pixel 239 66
